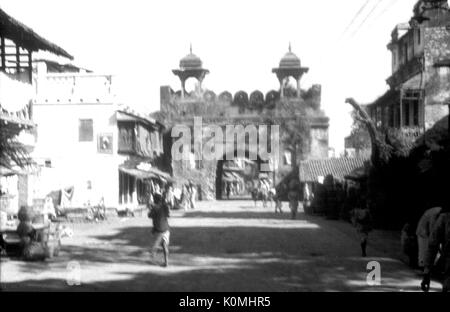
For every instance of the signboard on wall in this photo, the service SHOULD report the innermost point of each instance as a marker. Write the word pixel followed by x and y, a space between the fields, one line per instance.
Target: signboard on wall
pixel 105 143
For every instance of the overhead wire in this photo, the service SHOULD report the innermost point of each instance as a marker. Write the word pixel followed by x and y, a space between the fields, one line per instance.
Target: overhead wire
pixel 358 13
pixel 377 4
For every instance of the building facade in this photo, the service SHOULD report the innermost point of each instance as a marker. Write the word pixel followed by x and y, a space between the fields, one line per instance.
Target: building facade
pixel 417 89
pixel 254 109
pixel 18 43
pixel 89 147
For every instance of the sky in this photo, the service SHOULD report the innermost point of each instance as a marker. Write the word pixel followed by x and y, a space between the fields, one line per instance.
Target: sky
pixel 239 41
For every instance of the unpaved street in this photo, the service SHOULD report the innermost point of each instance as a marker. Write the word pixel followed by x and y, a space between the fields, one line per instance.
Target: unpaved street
pixel 221 246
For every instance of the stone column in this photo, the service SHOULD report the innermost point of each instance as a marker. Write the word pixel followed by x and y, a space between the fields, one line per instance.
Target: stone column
pixel 281 88
pixel 183 83
pixel 200 81
pixel 298 87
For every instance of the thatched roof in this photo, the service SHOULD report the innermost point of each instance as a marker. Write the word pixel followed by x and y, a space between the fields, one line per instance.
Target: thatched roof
pixel 13 29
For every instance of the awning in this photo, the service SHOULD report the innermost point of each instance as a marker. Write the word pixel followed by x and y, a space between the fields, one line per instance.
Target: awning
pixel 231 177
pixel 150 173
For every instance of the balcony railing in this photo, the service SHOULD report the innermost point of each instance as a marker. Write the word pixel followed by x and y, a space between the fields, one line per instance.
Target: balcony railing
pixel 405 71
pixel 412 133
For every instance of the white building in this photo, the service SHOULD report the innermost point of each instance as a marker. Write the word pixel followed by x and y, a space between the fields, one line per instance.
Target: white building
pixel 88 146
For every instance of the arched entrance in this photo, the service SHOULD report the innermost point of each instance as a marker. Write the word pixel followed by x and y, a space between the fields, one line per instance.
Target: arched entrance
pixel 236 178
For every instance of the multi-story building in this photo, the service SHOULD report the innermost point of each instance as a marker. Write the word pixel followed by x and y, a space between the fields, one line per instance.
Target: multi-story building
pixel 89 147
pixel 17 45
pixel 417 89
pixel 254 109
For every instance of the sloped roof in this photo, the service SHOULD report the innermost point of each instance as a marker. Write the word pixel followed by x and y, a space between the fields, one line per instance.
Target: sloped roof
pixel 26 37
pixel 126 112
pixel 311 170
pixel 443 63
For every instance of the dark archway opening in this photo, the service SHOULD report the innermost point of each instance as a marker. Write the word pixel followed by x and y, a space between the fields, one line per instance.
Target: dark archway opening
pixel 236 178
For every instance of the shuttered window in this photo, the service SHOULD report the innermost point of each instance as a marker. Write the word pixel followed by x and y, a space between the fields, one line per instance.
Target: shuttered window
pixel 86 130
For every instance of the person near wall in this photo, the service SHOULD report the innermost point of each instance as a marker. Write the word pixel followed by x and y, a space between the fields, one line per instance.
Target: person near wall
pixel 423 232
pixel 362 220
pixel 439 236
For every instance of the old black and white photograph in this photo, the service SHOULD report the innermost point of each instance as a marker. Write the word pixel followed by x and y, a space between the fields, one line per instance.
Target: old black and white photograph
pixel 224 146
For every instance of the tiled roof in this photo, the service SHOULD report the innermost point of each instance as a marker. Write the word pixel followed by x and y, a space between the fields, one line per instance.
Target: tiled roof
pixel 311 170
pixel 443 63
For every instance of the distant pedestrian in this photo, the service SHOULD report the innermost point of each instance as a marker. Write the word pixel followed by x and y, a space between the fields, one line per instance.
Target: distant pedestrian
pixel 184 199
pixel 440 235
pixel 362 220
pixel 192 195
pixel 293 203
pixel 169 196
pixel 264 193
pixel 255 195
pixel 159 213
pixel 49 209
pixel 278 203
pixel 228 190
pixel 272 194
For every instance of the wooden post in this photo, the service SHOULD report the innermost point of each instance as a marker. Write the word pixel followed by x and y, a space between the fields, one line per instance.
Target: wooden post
pixel 3 56
pixel 401 109
pixel 30 66
pixel 18 59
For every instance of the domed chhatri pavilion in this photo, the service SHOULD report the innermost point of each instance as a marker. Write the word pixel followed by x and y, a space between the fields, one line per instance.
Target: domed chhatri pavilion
pixel 190 67
pixel 290 66
pixel 241 108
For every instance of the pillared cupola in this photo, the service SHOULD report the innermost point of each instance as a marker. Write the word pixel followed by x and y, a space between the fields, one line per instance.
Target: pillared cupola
pixel 190 66
pixel 290 66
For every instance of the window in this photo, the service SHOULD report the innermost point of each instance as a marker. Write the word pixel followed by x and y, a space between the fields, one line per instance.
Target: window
pixel 86 130
pixel 378 118
pixel 287 159
pixel 198 164
pixel 391 117
pixel 416 112
pixel 397 115
pixel 419 37
pixel 127 137
pixel 405 49
pixel 444 73
pixel 406 113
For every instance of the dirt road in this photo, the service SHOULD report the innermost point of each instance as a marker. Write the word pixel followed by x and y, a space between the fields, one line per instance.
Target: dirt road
pixel 221 246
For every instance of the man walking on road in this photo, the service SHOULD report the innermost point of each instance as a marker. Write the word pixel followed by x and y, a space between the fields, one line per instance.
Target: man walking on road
pixel 293 203
pixel 160 213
